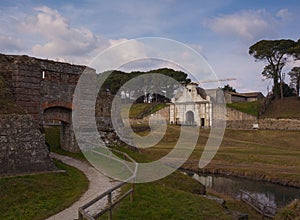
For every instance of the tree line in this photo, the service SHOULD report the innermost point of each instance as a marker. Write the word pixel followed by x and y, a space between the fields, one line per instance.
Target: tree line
pixel 277 54
pixel 146 84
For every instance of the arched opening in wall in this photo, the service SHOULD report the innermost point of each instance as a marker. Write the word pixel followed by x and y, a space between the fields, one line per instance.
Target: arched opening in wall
pixel 189 115
pixel 58 128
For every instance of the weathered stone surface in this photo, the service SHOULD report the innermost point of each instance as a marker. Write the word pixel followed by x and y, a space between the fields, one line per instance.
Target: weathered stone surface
pixel 45 89
pixel 279 124
pixel 22 146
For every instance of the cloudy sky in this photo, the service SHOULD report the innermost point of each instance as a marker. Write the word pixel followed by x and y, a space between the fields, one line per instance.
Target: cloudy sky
pixel 220 30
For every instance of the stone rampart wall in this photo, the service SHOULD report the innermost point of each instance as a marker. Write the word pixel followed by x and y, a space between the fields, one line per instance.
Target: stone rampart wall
pixel 22 146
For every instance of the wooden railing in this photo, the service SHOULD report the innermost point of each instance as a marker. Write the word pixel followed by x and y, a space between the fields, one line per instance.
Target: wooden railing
pixel 82 211
pixel 263 209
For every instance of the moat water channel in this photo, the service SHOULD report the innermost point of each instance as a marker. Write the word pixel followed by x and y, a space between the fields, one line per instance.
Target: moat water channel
pixel 270 194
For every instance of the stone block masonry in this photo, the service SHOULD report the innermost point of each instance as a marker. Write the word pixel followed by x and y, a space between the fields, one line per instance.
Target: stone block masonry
pixel 22 146
pixel 279 124
pixel 45 89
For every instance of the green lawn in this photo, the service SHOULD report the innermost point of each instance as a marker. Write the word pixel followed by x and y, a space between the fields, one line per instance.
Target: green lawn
pixel 251 108
pixel 153 201
pixel 40 196
pixel 175 197
pixel 140 110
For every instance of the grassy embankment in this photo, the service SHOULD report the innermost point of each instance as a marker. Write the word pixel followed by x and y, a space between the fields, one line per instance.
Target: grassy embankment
pixel 290 212
pixel 40 196
pixel 140 110
pixel 251 108
pixel 289 107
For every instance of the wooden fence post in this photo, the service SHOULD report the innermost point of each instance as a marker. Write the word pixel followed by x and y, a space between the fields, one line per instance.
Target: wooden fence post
pixel 80 217
pixel 131 194
pixel 109 206
pixel 263 212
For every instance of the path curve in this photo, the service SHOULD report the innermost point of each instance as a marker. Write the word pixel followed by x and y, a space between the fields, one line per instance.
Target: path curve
pixel 98 183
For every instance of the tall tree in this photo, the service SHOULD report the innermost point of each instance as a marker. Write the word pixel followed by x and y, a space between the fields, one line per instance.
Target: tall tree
pixel 275 53
pixel 295 78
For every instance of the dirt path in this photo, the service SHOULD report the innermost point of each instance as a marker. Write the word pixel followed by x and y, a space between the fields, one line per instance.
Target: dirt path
pixel 98 183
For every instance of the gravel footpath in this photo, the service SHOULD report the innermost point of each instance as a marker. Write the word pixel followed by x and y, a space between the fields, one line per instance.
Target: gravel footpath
pixel 98 183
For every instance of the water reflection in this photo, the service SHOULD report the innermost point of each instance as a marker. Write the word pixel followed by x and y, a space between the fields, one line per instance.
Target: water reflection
pixel 269 194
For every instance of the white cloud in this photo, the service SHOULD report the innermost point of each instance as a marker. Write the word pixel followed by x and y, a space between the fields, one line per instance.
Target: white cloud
pixel 246 25
pixel 283 14
pixel 197 47
pixel 59 38
pixel 10 44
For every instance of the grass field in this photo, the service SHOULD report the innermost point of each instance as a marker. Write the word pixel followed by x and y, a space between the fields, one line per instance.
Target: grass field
pixel 262 154
pixel 176 196
pixel 39 196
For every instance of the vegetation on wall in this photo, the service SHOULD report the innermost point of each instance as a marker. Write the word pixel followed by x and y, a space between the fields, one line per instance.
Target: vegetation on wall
pixel 251 108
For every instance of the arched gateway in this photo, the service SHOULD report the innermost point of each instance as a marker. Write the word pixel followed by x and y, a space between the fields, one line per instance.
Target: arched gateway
pixel 189 118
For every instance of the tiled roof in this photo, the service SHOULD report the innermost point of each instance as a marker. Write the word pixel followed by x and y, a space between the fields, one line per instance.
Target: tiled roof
pixel 246 94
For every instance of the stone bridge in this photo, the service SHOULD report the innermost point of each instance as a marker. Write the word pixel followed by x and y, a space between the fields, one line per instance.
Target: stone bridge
pixel 45 88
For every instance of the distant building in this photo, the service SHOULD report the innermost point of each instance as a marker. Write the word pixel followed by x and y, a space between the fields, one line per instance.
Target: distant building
pixel 191 106
pixel 231 97
pixel 195 106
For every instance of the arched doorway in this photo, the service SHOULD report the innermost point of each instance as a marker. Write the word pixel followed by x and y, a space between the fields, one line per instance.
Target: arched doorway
pixel 189 116
pixel 64 117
